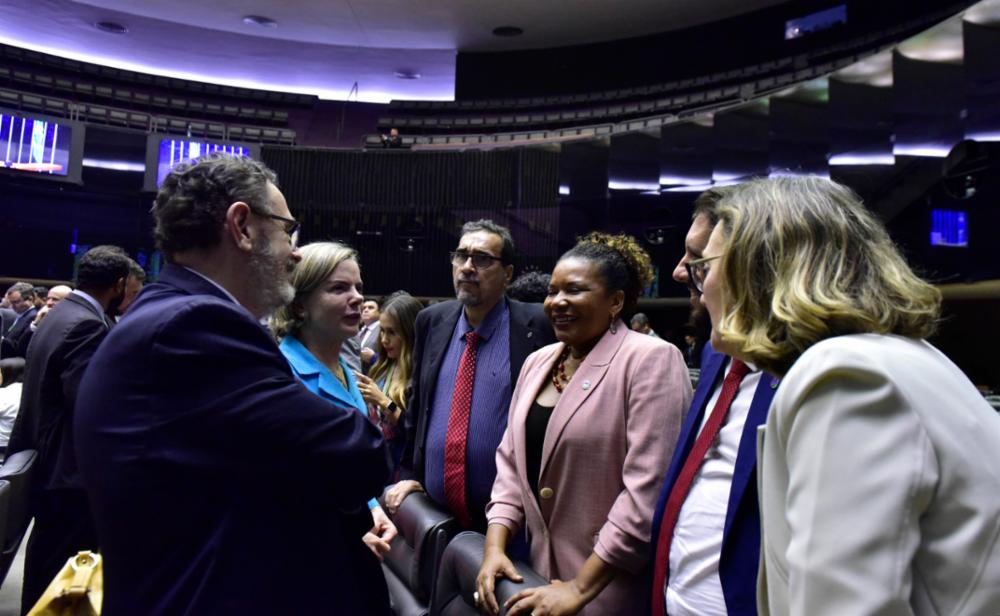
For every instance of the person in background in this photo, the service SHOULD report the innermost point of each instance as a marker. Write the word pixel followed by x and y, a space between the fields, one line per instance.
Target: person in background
pixel 877 493
pixel 219 484
pixel 392 141
pixel 640 323
pixel 324 314
pixel 40 295
pixel 592 424
pixel 368 337
pixel 387 385
pixel 15 333
pixel 136 277
pixel 467 356
pixel 60 354
pixel 532 286
pixel 55 295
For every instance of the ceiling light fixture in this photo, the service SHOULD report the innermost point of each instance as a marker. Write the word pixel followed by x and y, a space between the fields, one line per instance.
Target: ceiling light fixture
pixel 260 20
pixel 111 27
pixel 407 74
pixel 507 31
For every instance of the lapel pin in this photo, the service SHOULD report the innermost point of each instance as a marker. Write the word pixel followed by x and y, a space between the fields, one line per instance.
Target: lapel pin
pixel 586 385
pixel 530 334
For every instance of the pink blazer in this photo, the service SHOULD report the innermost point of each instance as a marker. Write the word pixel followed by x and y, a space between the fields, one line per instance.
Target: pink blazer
pixel 607 447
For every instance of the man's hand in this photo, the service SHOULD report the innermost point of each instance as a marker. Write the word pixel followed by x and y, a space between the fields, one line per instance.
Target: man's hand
pixel 381 535
pixel 394 497
pixel 367 355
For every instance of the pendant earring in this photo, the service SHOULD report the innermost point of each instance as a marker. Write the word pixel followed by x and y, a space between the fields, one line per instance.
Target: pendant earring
pixel 612 326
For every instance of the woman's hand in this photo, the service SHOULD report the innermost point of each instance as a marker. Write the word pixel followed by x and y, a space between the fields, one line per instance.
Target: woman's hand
pixel 394 497
pixel 556 599
pixel 370 391
pixel 381 535
pixel 495 565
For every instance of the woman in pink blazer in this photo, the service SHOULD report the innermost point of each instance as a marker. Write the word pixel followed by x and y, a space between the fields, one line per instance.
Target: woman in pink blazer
pixel 593 423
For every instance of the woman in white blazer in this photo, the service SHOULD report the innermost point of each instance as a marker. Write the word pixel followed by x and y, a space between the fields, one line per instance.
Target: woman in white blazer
pixel 878 474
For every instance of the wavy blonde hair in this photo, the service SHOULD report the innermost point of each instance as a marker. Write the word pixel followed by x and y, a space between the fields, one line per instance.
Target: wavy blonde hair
pixel 402 309
pixel 319 259
pixel 804 261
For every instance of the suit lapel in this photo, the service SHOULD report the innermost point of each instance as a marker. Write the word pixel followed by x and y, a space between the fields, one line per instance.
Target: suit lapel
pixel 711 367
pixel 521 335
pixel 746 457
pixel 437 343
pixel 586 379
pixel 535 381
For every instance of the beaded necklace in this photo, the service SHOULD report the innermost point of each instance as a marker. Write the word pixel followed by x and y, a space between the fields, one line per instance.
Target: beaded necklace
pixel 559 378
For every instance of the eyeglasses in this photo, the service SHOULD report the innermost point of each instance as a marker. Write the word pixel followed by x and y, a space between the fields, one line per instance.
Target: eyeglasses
pixel 480 260
pixel 697 271
pixel 290 225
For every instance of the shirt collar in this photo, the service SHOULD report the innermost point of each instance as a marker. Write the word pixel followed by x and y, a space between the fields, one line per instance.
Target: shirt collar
pixel 489 325
pixel 299 356
pixel 217 285
pixel 90 300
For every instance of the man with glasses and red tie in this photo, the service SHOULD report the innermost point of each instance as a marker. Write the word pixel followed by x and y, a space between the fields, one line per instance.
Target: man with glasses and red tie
pixel 706 529
pixel 468 354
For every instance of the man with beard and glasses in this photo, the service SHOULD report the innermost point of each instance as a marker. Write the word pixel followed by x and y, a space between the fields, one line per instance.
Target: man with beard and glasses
pixel 218 483
pixel 468 354
pixel 60 352
pixel 706 529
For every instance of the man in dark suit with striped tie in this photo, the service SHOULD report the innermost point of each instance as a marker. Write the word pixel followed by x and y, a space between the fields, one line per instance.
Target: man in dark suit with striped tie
pixel 60 352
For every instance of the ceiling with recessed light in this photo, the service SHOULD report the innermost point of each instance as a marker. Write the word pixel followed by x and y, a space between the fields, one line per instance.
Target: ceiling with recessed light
pixel 325 47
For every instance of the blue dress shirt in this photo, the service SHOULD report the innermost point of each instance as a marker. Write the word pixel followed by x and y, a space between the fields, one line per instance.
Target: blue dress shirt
pixel 490 404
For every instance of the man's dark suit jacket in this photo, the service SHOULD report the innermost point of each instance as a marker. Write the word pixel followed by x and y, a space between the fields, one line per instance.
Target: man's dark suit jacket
pixel 530 330
pixel 741 533
pixel 17 336
pixel 60 352
pixel 219 484
pixel 61 349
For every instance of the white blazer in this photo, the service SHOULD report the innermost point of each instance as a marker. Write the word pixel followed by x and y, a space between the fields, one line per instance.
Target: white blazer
pixel 879 479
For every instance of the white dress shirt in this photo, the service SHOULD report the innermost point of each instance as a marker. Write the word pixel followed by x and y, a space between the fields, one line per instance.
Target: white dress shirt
pixel 693 587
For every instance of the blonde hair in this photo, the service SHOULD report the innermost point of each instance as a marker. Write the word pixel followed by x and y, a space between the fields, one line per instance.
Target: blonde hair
pixel 319 259
pixel 804 261
pixel 402 309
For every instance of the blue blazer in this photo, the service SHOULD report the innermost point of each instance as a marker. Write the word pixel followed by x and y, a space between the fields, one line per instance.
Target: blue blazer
pixel 218 483
pixel 741 533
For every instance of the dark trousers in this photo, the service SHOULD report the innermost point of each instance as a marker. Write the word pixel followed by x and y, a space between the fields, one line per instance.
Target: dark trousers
pixel 63 527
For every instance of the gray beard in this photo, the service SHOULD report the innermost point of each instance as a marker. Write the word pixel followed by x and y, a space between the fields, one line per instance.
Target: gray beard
pixel 269 278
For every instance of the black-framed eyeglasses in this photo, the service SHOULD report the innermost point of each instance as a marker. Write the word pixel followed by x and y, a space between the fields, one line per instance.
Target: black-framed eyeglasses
pixel 480 260
pixel 290 226
pixel 697 271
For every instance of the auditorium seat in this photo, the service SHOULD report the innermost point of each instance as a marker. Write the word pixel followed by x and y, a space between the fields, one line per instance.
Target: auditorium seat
pixel 411 566
pixel 17 471
pixel 457 578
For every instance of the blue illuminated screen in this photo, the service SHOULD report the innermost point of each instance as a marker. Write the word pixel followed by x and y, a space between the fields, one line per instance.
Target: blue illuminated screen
pixel 949 228
pixel 34 145
pixel 175 151
pixel 815 22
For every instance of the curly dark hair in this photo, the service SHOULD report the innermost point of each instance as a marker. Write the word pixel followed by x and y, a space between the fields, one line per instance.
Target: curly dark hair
pixel 102 267
pixel 190 207
pixel 622 263
pixel 531 286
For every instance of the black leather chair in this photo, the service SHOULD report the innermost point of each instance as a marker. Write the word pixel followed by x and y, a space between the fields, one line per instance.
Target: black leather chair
pixel 411 566
pixel 456 580
pixel 17 471
pixel 5 495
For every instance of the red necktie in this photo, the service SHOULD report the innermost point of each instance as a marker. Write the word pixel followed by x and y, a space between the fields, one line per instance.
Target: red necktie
pixel 661 562
pixel 458 431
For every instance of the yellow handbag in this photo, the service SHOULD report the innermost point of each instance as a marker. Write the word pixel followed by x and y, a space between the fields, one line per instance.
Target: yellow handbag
pixel 77 589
